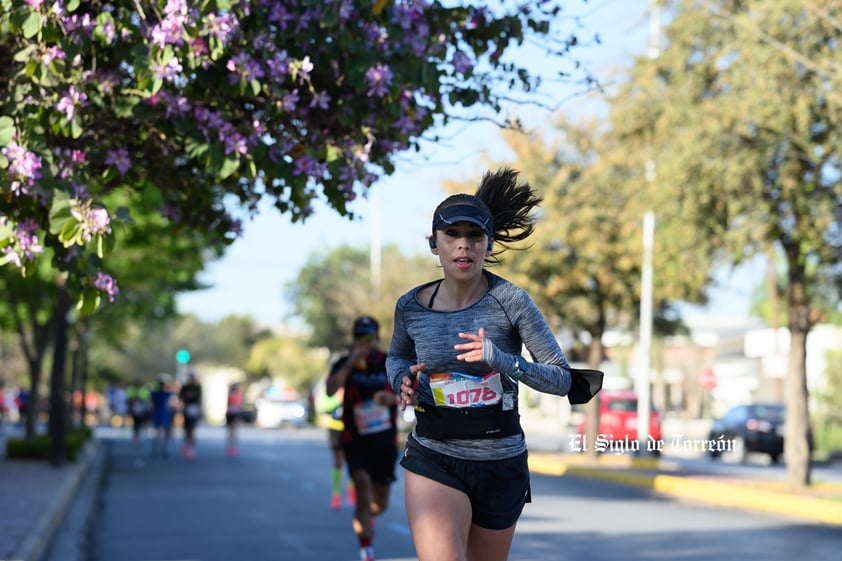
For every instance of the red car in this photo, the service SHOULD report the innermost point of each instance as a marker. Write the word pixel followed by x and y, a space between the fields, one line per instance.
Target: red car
pixel 618 420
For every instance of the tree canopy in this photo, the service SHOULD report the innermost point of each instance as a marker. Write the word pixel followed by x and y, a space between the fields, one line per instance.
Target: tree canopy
pixel 741 111
pixel 200 104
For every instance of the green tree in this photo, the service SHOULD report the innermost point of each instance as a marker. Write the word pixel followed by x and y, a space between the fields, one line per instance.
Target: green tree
pixel 741 111
pixel 149 285
pixel 147 346
pixel 333 289
pixel 27 310
pixel 289 358
pixel 829 426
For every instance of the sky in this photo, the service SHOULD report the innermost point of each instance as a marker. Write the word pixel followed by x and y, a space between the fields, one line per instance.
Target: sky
pixel 250 278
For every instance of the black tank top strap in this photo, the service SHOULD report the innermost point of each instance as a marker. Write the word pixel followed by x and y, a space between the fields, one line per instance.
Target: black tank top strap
pixel 433 295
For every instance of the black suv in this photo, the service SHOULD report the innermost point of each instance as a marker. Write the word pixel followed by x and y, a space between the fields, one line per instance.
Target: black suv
pixel 756 427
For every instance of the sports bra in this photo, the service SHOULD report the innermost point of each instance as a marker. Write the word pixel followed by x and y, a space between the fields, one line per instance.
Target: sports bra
pixel 433 295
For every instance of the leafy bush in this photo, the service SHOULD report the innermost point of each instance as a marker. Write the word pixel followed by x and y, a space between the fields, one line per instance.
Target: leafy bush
pixel 38 448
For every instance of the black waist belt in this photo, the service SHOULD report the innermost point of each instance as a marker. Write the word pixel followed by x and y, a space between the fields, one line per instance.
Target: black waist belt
pixel 443 423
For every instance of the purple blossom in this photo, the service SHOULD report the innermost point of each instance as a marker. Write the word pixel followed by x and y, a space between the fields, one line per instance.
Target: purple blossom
pixel 80 191
pixel 374 34
pixel 28 239
pixel 92 220
pixel 169 71
pixel 109 31
pixel 12 256
pixel 24 244
pixel 221 27
pixel 78 25
pixel 52 53
pixel 346 10
pixel 461 62
pixel 320 100
pixel 170 31
pixel 379 78
pixel 233 141
pixel 278 65
pixel 177 105
pixel 263 41
pixel 120 159
pixel 245 66
pixel 419 45
pixel 304 165
pixel 404 124
pixel 68 102
pixel 67 161
pixel 107 284
pixel 107 82
pixel 24 168
pixel 405 15
pixel 199 47
pixel 259 127
pixel 290 101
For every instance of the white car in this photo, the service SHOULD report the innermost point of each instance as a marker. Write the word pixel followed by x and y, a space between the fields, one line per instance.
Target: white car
pixel 273 413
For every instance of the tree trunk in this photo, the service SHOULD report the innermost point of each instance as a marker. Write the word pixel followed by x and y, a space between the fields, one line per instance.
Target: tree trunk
pixel 796 436
pixel 31 407
pixel 58 389
pixel 75 409
pixel 595 354
pixel 34 349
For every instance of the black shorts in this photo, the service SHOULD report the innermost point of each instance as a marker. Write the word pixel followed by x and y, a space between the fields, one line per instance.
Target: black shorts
pixel 190 422
pixel 232 418
pixel 378 462
pixel 497 489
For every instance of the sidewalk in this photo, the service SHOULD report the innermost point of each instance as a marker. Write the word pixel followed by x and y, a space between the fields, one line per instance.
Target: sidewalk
pixel 35 496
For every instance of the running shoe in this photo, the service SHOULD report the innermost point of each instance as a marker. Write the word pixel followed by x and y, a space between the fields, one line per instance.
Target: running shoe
pixel 351 496
pixel 336 501
pixel 367 553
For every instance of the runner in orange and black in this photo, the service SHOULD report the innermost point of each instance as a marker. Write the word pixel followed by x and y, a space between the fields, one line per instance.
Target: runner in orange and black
pixel 369 437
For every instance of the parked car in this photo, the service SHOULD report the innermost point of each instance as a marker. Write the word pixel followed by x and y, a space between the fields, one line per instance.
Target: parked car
pixel 278 412
pixel 753 427
pixel 618 418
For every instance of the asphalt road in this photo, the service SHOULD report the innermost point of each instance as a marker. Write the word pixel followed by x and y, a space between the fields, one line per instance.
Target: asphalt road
pixel 271 502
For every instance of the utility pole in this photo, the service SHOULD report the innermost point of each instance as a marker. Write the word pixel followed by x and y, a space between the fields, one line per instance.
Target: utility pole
pixel 643 378
pixel 645 343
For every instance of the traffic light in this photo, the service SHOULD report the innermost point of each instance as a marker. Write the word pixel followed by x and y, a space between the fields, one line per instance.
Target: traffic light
pixel 182 356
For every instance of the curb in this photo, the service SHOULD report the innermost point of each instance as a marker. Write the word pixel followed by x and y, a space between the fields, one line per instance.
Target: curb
pixel 36 543
pixel 699 490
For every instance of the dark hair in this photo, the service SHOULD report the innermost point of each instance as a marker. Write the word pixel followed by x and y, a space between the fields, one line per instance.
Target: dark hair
pixel 508 201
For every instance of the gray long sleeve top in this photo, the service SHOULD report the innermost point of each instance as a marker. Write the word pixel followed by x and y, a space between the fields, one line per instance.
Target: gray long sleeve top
pixel 511 321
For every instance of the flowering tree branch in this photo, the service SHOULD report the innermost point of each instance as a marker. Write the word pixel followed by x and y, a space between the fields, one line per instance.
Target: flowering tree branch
pixel 206 101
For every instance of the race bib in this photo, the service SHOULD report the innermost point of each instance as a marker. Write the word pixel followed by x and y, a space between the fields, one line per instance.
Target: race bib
pixel 454 389
pixel 192 410
pixel 372 417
